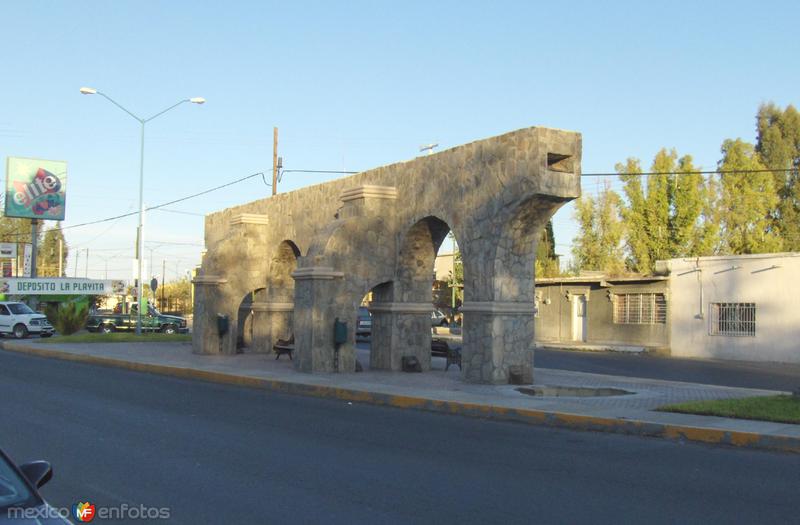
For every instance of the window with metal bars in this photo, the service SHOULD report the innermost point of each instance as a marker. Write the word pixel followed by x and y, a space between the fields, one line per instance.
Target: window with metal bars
pixel 736 319
pixel 640 308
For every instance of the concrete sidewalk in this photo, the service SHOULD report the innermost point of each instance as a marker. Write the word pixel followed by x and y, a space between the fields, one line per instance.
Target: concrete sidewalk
pixel 444 391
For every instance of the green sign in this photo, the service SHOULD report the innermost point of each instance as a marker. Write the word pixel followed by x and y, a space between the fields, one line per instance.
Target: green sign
pixel 35 188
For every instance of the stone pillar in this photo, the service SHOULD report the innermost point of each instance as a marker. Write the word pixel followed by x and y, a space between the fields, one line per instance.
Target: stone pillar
pixel 271 321
pixel 498 339
pixel 315 292
pixel 205 337
pixel 400 329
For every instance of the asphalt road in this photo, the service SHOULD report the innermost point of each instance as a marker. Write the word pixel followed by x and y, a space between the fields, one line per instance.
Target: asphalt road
pixel 222 454
pixel 769 376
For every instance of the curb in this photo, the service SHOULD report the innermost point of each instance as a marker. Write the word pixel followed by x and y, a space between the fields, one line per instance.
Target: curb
pixel 681 433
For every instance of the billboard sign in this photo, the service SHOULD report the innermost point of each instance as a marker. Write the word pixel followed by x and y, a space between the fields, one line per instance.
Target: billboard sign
pixel 61 286
pixel 27 260
pixel 35 188
pixel 8 250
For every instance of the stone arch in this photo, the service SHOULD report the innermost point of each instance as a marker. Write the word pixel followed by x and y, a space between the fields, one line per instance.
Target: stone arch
pixel 281 267
pixel 515 253
pixel 344 262
pixel 244 320
pixel 273 307
pixel 416 257
pixel 401 316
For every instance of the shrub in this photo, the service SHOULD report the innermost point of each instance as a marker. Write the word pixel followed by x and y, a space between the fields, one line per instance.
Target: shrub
pixel 68 318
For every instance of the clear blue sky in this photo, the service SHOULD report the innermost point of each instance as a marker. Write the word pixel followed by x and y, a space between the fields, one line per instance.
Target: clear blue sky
pixel 354 85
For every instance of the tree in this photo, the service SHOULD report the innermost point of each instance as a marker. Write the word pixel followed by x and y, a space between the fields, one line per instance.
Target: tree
pixel 634 215
pixel 47 262
pixel 748 200
pixel 546 264
pixel 599 245
pixel 666 219
pixel 177 294
pixel 778 146
pixel 687 195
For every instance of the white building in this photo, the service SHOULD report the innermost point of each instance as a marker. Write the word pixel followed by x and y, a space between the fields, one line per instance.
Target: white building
pixel 742 307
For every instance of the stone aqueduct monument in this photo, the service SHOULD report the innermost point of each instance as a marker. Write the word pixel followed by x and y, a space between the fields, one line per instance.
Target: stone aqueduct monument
pixel 299 260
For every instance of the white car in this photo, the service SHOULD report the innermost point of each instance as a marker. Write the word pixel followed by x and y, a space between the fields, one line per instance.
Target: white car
pixel 438 318
pixel 20 320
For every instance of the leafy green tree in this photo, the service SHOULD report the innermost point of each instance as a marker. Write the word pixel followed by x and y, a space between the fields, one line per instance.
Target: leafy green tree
pixel 748 199
pixel 687 192
pixel 13 229
pixel 546 264
pixel 665 218
pixel 658 210
pixel 778 146
pixel 47 261
pixel 177 293
pixel 599 245
pixel 707 241
pixel 634 216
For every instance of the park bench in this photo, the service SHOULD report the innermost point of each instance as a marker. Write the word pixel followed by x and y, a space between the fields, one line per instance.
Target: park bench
pixel 440 348
pixel 284 346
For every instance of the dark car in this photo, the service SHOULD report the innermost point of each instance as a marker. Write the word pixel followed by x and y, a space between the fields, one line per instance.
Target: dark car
pixel 20 501
pixel 363 323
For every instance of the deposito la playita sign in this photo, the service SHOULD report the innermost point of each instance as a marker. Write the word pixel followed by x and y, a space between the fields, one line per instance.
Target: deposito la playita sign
pixel 36 188
pixel 61 286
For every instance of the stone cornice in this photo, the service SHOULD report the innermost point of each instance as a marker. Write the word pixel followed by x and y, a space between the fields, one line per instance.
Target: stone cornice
pixel 369 191
pixel 402 308
pixel 316 272
pixel 498 307
pixel 272 307
pixel 210 280
pixel 249 218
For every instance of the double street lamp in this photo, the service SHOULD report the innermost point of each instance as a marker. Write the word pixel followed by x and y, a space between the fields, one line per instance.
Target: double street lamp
pixel 140 229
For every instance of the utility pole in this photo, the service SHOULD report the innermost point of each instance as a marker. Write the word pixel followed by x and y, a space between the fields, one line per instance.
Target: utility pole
pixel 87 264
pixel 60 257
pixel 75 271
pixel 274 160
pixel 163 279
pixel 34 244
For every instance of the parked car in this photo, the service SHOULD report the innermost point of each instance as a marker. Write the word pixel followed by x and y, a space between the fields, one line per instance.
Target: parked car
pixel 20 501
pixel 363 323
pixel 152 321
pixel 18 319
pixel 438 318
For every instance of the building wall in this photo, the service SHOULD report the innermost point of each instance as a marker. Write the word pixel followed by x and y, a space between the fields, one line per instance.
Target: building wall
pixel 554 323
pixel 770 281
pixel 443 266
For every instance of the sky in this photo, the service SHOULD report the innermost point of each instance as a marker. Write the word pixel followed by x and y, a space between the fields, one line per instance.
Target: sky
pixel 355 85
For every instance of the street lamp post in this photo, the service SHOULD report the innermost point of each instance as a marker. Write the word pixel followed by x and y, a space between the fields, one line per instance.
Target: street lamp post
pixel 140 228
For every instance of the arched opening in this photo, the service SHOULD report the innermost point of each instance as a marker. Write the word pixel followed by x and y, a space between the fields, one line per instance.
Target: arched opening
pixel 274 317
pixel 244 320
pixel 426 295
pixel 283 263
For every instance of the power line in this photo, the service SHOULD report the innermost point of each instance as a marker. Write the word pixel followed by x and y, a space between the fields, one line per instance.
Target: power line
pixel 130 214
pixel 714 172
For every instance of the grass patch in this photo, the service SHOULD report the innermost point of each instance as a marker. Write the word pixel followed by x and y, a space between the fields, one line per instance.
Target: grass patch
pixel 780 409
pixel 116 337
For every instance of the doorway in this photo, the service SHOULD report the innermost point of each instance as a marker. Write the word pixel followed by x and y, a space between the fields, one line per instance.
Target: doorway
pixel 579 318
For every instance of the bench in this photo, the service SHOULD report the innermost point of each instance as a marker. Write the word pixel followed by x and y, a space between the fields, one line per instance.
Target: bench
pixel 284 346
pixel 440 348
pixel 453 357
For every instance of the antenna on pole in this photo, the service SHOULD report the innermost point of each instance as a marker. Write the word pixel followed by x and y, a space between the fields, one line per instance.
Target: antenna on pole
pixel 429 148
pixel 274 160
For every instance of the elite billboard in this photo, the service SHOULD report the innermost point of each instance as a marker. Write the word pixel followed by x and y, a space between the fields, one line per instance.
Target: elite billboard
pixel 36 188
